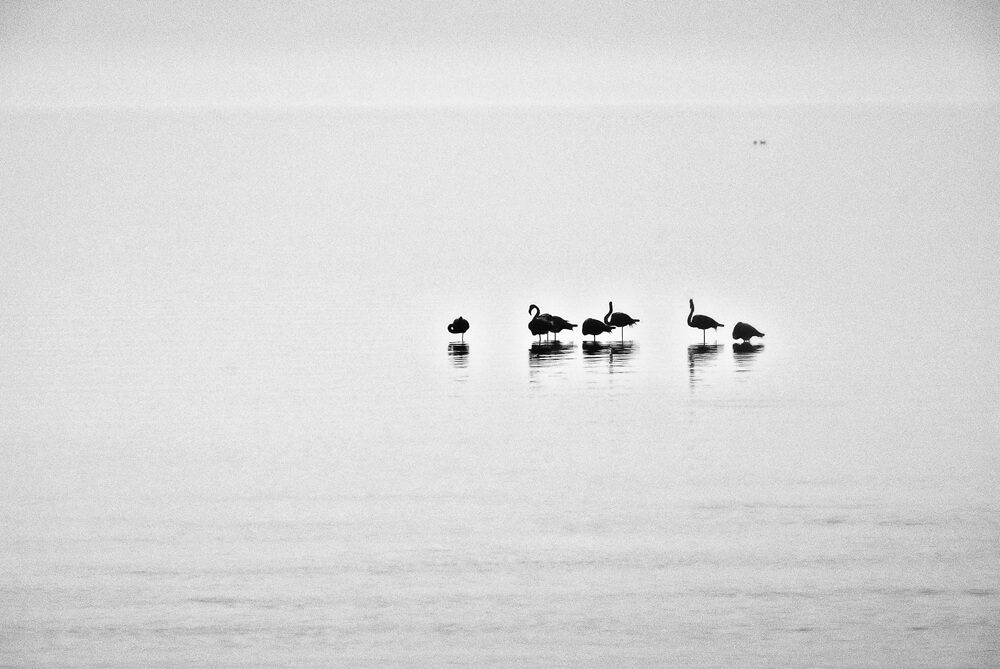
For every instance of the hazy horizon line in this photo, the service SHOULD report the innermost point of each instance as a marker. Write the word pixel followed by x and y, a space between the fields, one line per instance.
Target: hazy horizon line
pixel 458 104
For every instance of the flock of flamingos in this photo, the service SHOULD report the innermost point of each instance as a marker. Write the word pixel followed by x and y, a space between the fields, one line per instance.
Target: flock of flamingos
pixel 545 324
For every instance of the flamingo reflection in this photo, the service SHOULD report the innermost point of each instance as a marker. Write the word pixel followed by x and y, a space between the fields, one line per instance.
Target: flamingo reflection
pixel 700 357
pixel 744 354
pixel 546 358
pixel 615 356
pixel 548 354
pixel 458 353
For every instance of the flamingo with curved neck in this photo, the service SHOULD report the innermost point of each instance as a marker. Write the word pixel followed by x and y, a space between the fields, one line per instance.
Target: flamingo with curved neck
pixel 538 324
pixel 618 319
pixel 701 322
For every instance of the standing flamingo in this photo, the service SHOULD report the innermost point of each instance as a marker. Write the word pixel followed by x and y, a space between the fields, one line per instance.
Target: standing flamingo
pixel 594 327
pixel 539 325
pixel 558 323
pixel 618 319
pixel 745 331
pixel 701 322
pixel 459 326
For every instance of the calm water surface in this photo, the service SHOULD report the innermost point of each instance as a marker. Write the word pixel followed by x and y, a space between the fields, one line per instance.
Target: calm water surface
pixel 236 432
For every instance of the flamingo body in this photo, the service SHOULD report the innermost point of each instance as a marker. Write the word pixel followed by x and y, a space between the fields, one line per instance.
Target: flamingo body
pixel 701 321
pixel 539 324
pixel 594 327
pixel 618 319
pixel 459 326
pixel 559 323
pixel 745 331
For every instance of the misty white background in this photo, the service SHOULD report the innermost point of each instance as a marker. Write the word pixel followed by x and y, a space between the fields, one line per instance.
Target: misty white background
pixel 231 237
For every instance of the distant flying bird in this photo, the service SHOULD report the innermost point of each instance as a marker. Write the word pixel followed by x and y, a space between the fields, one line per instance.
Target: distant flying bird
pixel 459 326
pixel 744 331
pixel 701 322
pixel 618 319
pixel 594 327
pixel 538 324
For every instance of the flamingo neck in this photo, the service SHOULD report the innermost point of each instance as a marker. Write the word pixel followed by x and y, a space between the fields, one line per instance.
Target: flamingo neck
pixel 607 317
pixel 535 309
pixel 692 312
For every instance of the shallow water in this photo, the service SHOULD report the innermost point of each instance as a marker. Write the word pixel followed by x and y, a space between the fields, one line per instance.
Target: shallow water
pixel 236 430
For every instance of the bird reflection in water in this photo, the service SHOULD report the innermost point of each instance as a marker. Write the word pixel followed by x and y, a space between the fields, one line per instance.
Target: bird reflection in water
pixel 545 358
pixel 616 356
pixel 744 354
pixel 548 354
pixel 700 357
pixel 458 354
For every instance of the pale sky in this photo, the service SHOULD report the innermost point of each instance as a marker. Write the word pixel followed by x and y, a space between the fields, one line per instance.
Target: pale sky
pixel 532 51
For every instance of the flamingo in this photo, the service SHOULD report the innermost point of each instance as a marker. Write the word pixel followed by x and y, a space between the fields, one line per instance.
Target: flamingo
pixel 459 326
pixel 745 331
pixel 618 319
pixel 539 325
pixel 701 322
pixel 558 323
pixel 594 327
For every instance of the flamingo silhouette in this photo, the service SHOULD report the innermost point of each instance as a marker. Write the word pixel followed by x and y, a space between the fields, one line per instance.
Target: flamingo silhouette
pixel 594 327
pixel 701 322
pixel 618 319
pixel 558 323
pixel 539 324
pixel 745 331
pixel 459 326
